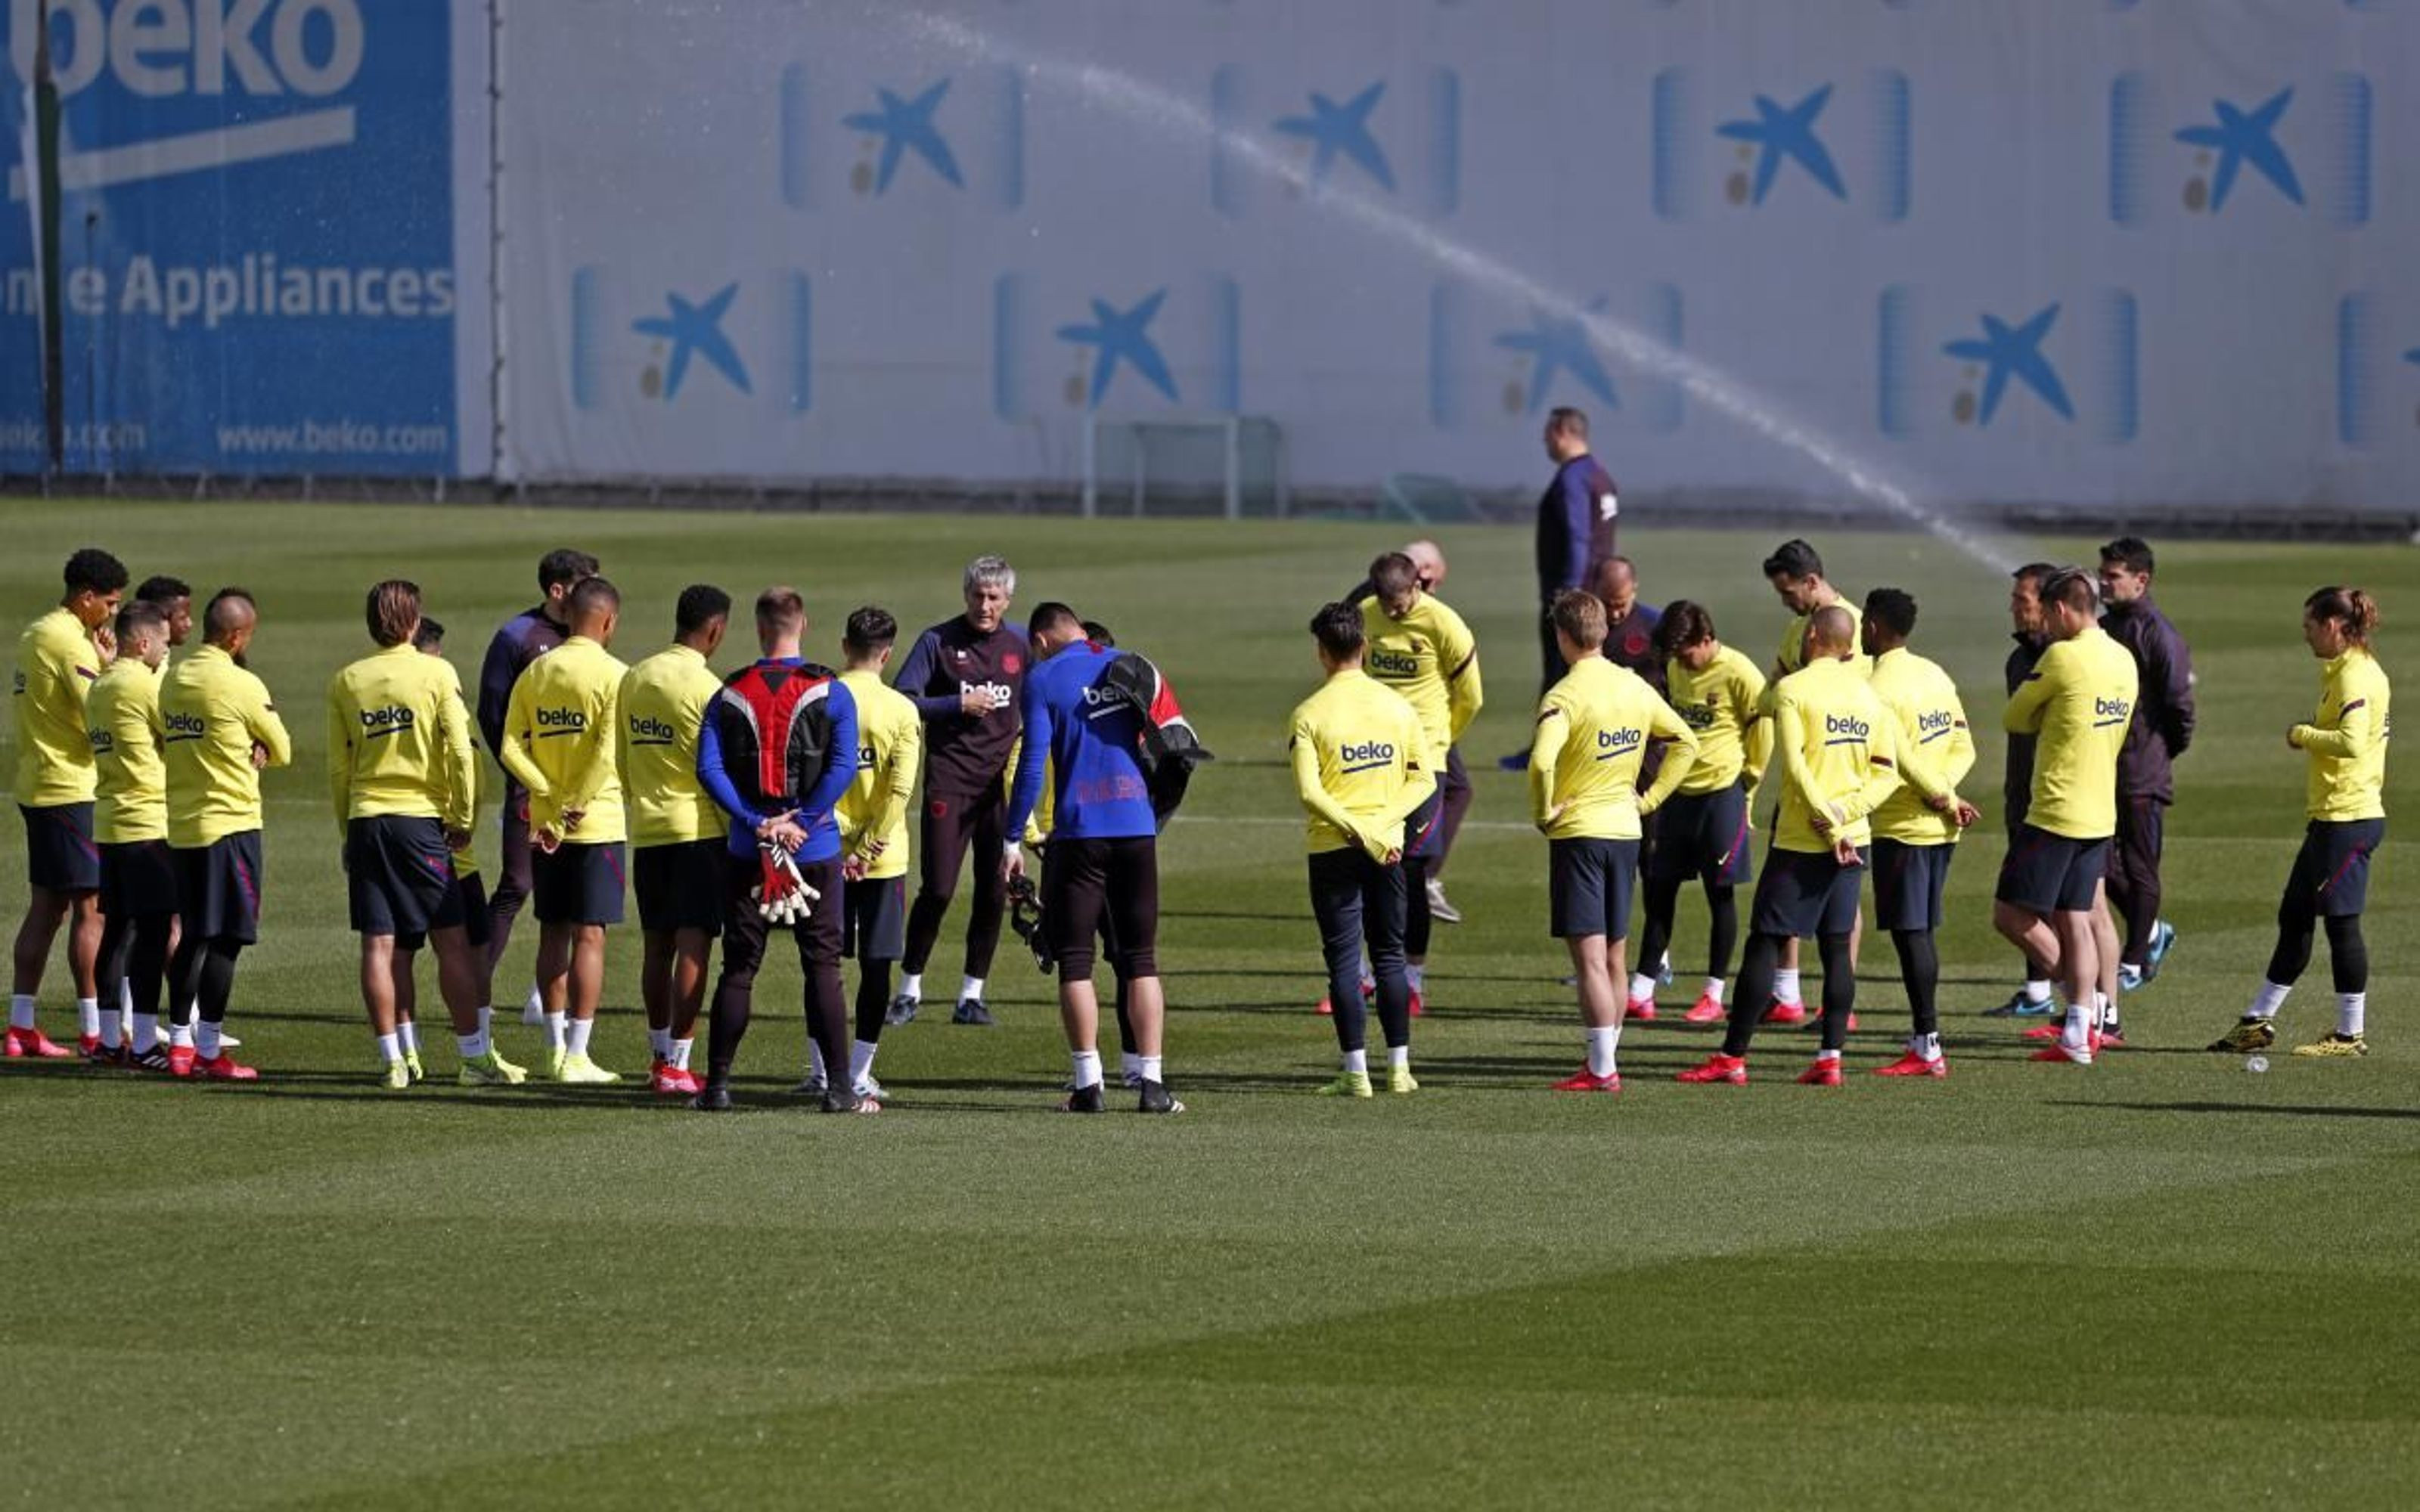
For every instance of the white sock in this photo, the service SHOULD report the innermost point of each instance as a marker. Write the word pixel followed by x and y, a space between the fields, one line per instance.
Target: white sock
pixel 205 1040
pixel 860 1060
pixel 576 1040
pixel 2037 992
pixel 2268 1000
pixel 679 1057
pixel 660 1043
pixel 408 1033
pixel 816 1071
pixel 1642 986
pixel 1785 987
pixel 2076 1034
pixel 389 1050
pixel 486 1018
pixel 21 1011
pixel 146 1033
pixel 181 1035
pixel 111 1027
pixel 1822 1056
pixel 1357 1061
pixel 88 1017
pixel 970 987
pixel 2107 1011
pixel 555 1024
pixel 125 994
pixel 2348 1014
pixel 1413 976
pixel 911 986
pixel 1714 990
pixel 1088 1069
pixel 1150 1067
pixel 1129 1066
pixel 473 1045
pixel 1926 1045
pixel 1602 1044
pixel 535 1000
pixel 1400 1056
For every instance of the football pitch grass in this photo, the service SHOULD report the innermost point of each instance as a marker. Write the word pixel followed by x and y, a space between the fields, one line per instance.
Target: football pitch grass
pixel 2161 1281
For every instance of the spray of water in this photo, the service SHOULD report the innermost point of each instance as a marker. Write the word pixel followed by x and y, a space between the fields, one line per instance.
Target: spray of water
pixel 1160 109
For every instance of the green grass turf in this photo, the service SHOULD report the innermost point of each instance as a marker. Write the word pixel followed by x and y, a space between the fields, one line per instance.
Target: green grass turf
pixel 2160 1282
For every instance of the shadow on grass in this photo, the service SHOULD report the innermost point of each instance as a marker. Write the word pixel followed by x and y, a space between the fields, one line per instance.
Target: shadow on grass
pixel 2297 1110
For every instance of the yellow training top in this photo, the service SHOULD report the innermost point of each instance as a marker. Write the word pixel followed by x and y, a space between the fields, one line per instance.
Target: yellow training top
pixel 123 712
pixel 1722 705
pixel 1936 750
pixel 2079 698
pixel 1593 731
pixel 1838 751
pixel 56 666
pixel 399 742
pixel 211 713
pixel 2347 739
pixel 663 707
pixel 560 739
pixel 890 748
pixel 1361 763
pixel 1429 657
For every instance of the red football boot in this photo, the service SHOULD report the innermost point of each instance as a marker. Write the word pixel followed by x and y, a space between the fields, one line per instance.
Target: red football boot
pixel 2060 1054
pixel 1784 1013
pixel 33 1044
pixel 1640 1010
pixel 225 1068
pixel 1824 1072
pixel 1718 1068
pixel 1325 1008
pixel 180 1061
pixel 1585 1080
pixel 2043 1031
pixel 1912 1064
pixel 667 1080
pixel 1418 1007
pixel 1704 1011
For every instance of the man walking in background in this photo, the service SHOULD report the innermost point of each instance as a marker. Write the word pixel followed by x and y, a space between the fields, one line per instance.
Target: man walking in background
pixel 1577 519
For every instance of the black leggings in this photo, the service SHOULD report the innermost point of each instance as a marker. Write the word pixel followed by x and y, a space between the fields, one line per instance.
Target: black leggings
pixel 2348 952
pixel 134 951
pixel 1418 923
pixel 745 935
pixel 950 828
pixel 1920 967
pixel 1663 906
pixel 203 972
pixel 1359 902
pixel 1755 990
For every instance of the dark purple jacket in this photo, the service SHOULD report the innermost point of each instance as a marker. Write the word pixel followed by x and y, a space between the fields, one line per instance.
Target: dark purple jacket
pixel 963 758
pixel 2017 783
pixel 2164 708
pixel 1575 525
pixel 518 642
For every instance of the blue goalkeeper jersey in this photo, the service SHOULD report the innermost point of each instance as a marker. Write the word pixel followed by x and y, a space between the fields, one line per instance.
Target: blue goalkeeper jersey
pixel 1089 739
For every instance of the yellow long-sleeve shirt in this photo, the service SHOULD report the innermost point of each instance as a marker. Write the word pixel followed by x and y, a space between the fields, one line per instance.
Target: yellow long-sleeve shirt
pixel 1838 752
pixel 2347 740
pixel 890 748
pixel 1723 705
pixel 1361 763
pixel 560 739
pixel 399 741
pixel 211 713
pixel 1431 659
pixel 1591 734
pixel 2078 698
pixel 660 709
pixel 56 666
pixel 123 712
pixel 1936 750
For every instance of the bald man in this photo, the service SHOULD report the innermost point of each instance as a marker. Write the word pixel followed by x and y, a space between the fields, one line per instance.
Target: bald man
pixel 1453 777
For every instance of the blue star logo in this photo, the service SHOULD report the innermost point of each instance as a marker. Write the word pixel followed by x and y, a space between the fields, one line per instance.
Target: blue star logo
pixel 2412 357
pixel 1334 131
pixel 2007 352
pixel 1779 133
pixel 695 329
pixel 2241 138
pixel 907 125
pixel 1123 336
pixel 1555 345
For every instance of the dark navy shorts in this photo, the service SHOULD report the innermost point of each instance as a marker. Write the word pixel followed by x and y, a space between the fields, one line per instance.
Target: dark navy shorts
pixel 397 873
pixel 1806 895
pixel 1908 883
pixel 680 885
pixel 1704 835
pixel 465 908
pixel 60 856
pixel 578 883
pixel 138 878
pixel 875 926
pixel 2331 875
pixel 1425 829
pixel 2051 873
pixel 218 888
pixel 1587 887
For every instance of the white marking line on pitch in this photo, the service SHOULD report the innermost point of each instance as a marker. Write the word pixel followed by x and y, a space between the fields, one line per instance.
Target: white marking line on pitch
pixel 196 151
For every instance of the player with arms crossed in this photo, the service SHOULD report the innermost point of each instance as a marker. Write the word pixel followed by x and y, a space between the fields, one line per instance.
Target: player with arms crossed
pixel 1591 734
pixel 138 879
pixel 2345 796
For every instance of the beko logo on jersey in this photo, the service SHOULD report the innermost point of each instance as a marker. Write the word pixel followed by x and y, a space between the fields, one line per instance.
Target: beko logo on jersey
pixel 1617 742
pixel 1699 715
pixel 865 758
pixel 1001 692
pixel 1366 755
pixel 393 720
pixel 560 721
pixel 185 726
pixel 102 741
pixel 1394 663
pixel 160 49
pixel 2106 712
pixel 1840 728
pixel 646 729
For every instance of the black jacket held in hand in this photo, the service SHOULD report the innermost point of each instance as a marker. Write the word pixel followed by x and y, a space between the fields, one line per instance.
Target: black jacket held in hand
pixel 2164 708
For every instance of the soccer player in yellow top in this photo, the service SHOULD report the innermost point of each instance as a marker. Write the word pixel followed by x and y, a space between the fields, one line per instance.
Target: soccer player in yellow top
pixel 1361 766
pixel 559 745
pixel 1702 830
pixel 873 818
pixel 2077 700
pixel 218 731
pixel 677 832
pixel 1419 647
pixel 59 658
pixel 1838 752
pixel 2344 744
pixel 1795 570
pixel 402 781
pixel 1916 828
pixel 138 881
pixel 1590 736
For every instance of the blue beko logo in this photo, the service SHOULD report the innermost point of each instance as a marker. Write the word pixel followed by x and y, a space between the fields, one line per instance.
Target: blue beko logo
pixel 1177 344
pixel 1819 143
pixel 960 135
pixel 1395 138
pixel 683 344
pixel 1487 357
pixel 2071 362
pixel 2293 146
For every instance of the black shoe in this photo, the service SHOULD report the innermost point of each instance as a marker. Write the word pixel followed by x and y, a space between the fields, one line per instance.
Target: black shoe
pixel 970 1011
pixel 1154 1099
pixel 902 1010
pixel 713 1097
pixel 847 1102
pixel 1085 1099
